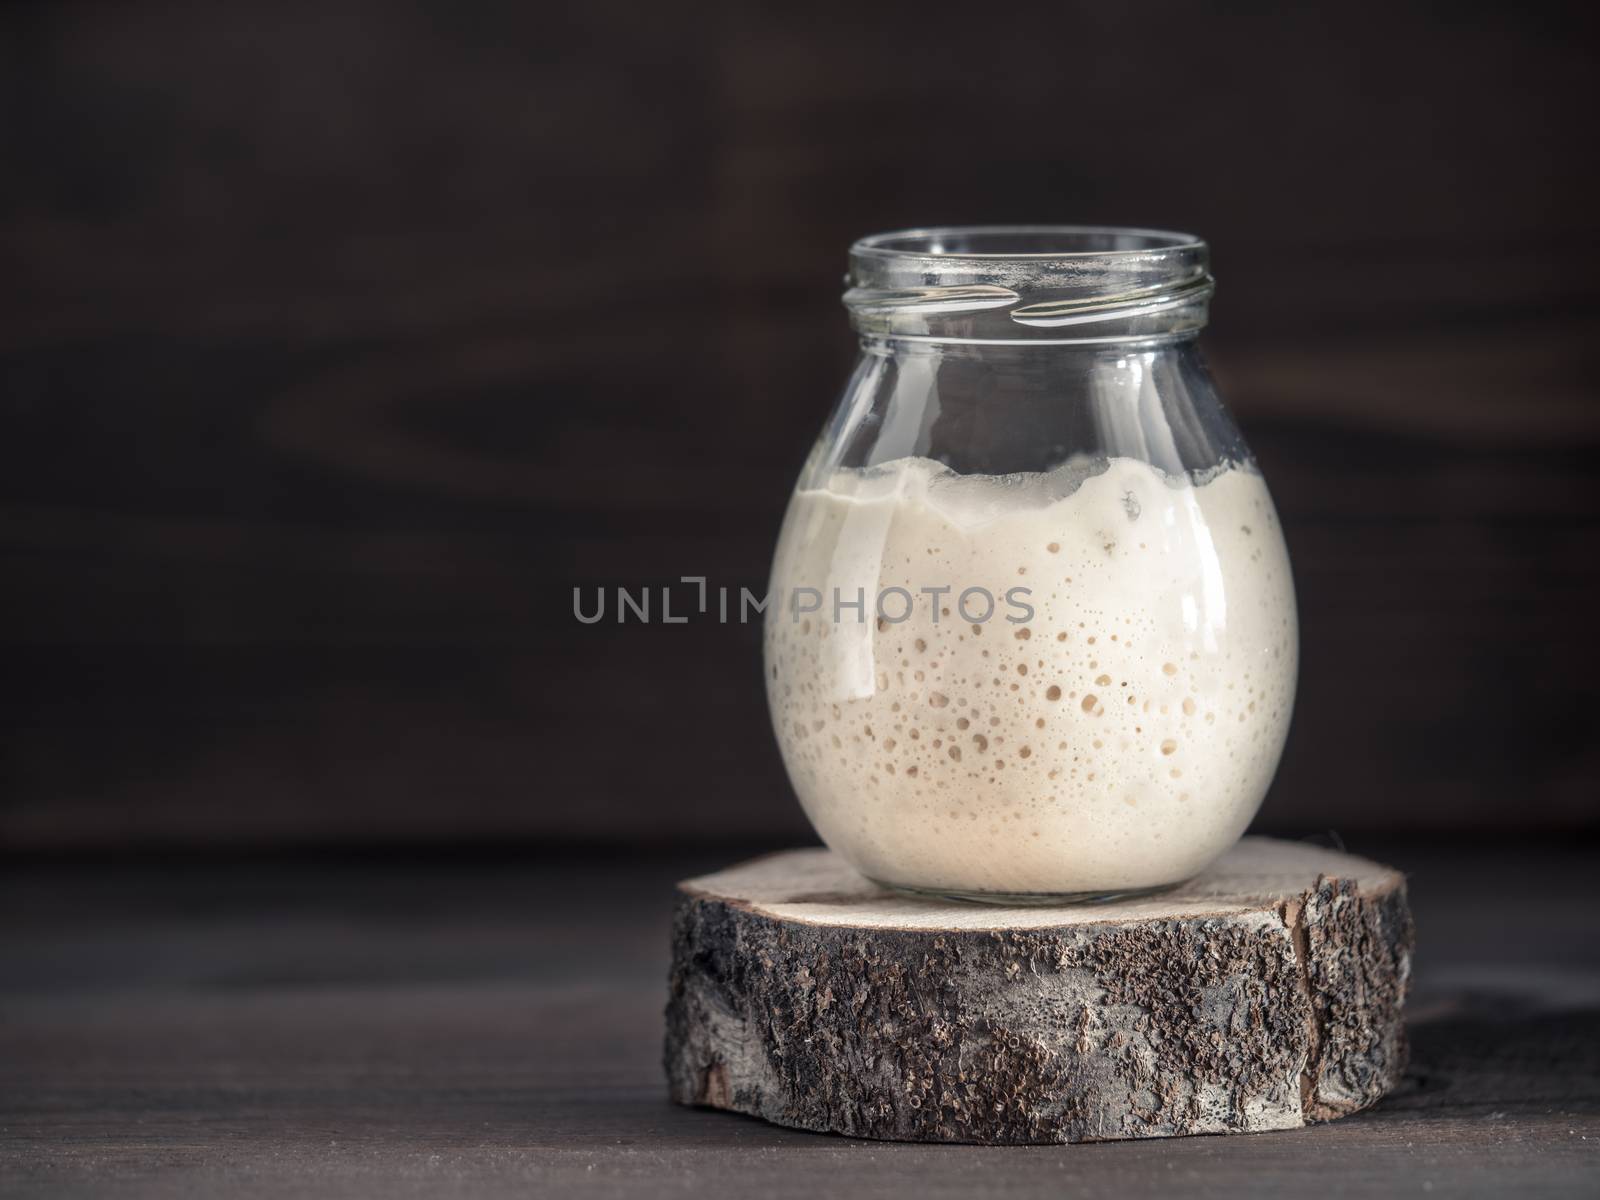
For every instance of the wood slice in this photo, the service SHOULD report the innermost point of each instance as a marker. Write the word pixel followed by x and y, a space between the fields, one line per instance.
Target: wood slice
pixel 1264 994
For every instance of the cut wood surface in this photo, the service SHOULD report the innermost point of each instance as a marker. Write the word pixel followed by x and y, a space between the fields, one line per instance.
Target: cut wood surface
pixel 1264 994
pixel 491 1028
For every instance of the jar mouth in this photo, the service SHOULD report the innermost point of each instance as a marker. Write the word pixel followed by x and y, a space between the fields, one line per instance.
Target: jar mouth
pixel 1038 242
pixel 1072 283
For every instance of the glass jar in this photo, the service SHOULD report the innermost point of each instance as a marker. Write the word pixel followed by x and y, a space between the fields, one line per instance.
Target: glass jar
pixel 1031 633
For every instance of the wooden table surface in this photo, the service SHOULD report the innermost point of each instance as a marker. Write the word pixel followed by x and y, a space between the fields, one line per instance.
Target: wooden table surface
pixel 391 1027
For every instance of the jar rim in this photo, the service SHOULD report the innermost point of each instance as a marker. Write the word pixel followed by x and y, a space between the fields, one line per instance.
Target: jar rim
pixel 962 243
pixel 1029 282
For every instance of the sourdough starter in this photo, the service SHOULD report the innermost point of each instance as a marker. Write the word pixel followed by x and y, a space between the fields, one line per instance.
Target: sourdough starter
pixel 1118 737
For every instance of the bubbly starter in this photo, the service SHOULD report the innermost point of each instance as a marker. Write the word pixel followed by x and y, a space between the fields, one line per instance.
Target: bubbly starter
pixel 1119 737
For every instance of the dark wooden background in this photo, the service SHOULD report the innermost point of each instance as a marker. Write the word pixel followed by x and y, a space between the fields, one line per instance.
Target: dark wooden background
pixel 339 341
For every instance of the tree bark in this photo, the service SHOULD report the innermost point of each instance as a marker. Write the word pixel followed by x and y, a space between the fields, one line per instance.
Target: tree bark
pixel 1264 994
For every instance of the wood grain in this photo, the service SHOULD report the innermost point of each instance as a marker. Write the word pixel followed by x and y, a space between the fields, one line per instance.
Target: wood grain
pixel 341 340
pixel 394 1028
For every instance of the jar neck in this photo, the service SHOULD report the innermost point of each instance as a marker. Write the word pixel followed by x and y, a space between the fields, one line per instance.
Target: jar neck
pixel 1055 285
